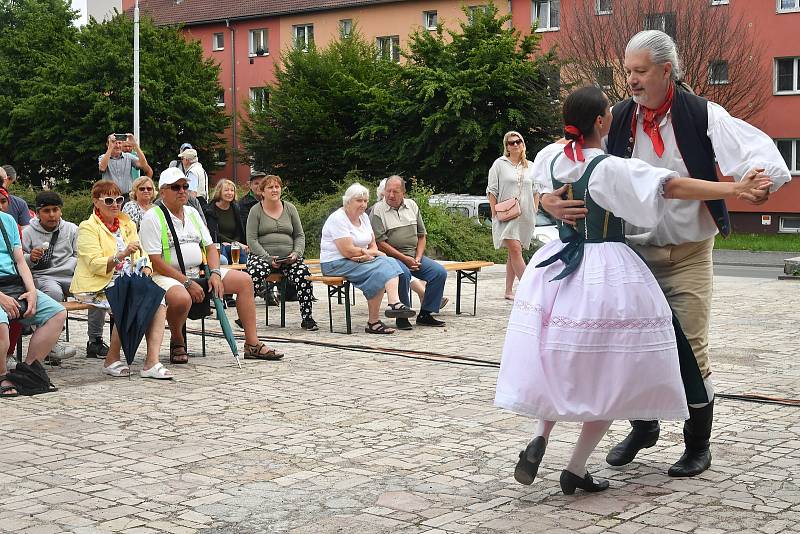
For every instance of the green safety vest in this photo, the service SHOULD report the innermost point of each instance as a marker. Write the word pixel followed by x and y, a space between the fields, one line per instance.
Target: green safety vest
pixel 165 253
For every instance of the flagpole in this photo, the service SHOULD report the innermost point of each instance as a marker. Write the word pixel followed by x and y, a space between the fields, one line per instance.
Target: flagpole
pixel 136 72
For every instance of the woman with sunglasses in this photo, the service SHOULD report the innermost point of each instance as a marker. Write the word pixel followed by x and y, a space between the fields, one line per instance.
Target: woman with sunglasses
pixel 107 242
pixel 511 178
pixel 143 194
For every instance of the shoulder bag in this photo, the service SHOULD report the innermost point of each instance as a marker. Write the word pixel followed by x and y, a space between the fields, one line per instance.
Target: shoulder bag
pixel 12 284
pixel 509 210
pixel 202 309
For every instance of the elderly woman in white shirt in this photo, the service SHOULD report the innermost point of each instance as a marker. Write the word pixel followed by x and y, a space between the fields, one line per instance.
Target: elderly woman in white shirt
pixel 348 249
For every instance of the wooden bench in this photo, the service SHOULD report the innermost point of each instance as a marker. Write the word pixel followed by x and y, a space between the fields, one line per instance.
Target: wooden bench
pixel 466 270
pixel 338 286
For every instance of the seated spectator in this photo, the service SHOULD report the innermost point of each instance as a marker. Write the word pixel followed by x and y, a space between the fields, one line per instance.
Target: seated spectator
pixel 115 165
pixel 41 311
pixel 107 243
pixel 49 247
pixel 143 193
pixel 277 244
pixel 17 207
pixel 400 234
pixel 182 289
pixel 252 197
pixel 348 249
pixel 224 220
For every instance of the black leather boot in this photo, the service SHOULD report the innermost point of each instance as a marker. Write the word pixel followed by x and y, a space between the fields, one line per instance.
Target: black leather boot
pixel 696 433
pixel 644 435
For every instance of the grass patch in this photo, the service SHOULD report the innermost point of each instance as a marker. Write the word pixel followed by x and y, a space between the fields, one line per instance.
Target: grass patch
pixel 759 242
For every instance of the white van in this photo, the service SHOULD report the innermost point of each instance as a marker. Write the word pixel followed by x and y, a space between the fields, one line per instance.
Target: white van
pixel 477 208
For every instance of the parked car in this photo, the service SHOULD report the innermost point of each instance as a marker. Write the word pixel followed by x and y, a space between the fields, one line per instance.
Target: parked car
pixel 477 208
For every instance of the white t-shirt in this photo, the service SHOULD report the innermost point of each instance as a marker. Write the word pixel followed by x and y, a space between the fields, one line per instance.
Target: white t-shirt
pixel 188 236
pixel 338 226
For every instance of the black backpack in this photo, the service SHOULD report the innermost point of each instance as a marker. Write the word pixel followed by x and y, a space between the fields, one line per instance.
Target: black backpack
pixel 31 379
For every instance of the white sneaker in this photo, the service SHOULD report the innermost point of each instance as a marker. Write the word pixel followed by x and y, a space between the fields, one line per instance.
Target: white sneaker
pixel 62 351
pixel 11 363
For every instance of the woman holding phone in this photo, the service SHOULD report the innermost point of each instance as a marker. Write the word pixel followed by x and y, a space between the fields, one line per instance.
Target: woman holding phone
pixel 277 242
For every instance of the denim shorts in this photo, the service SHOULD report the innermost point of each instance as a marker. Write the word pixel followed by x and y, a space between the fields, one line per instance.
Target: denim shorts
pixel 46 308
pixel 370 277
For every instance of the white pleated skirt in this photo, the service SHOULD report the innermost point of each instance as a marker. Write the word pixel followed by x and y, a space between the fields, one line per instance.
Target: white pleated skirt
pixel 597 345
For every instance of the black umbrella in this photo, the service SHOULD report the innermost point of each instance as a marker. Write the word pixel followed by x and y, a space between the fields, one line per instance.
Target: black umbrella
pixel 134 299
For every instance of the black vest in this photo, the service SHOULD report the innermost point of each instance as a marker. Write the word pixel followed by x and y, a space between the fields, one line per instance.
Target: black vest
pixel 690 124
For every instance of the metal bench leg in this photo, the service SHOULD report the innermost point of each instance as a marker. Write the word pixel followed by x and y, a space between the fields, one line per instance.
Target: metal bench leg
pixel 330 307
pixel 459 274
pixel 475 297
pixel 283 284
pixel 266 311
pixel 66 327
pixel 346 287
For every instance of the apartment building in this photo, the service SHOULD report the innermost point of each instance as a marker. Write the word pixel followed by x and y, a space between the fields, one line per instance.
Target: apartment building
pixel 246 38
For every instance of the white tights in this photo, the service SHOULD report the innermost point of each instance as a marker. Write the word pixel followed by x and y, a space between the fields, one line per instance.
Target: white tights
pixel 591 434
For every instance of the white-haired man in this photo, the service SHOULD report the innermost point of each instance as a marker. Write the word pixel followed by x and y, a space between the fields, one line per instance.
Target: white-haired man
pixel 668 126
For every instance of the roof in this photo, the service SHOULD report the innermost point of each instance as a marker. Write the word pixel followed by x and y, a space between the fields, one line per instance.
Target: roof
pixel 193 12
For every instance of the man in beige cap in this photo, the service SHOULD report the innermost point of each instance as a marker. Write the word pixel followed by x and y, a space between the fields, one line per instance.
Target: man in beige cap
pixel 197 176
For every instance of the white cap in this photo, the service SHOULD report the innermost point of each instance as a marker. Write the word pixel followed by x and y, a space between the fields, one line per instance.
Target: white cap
pixel 170 176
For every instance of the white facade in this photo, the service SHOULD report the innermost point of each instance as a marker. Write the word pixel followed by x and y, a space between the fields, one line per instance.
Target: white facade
pixel 102 9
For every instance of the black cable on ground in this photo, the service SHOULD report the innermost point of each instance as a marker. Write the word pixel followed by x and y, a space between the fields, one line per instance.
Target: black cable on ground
pixel 461 360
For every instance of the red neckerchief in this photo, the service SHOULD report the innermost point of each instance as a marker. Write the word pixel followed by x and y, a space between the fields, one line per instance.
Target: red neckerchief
pixel 113 227
pixel 573 149
pixel 651 119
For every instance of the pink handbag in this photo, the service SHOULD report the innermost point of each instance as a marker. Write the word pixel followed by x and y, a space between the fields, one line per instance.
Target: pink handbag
pixel 507 210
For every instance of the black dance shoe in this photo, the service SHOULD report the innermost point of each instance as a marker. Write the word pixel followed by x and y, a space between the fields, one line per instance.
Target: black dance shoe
pixel 529 460
pixel 570 481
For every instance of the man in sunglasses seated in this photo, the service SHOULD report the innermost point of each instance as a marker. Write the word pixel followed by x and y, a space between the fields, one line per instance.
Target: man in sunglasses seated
pixel 196 251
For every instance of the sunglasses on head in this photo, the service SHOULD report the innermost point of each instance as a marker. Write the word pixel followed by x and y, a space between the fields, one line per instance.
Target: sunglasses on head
pixel 179 187
pixel 108 201
pixel 515 142
pixel 145 189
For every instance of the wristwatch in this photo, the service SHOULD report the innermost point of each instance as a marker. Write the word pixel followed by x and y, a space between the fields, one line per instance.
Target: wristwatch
pixel 188 283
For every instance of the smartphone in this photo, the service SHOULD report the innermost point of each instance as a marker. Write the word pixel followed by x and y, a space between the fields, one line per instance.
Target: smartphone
pixel 121 137
pixel 282 260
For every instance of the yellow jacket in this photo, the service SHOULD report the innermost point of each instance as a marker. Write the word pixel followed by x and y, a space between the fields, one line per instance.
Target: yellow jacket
pixel 95 245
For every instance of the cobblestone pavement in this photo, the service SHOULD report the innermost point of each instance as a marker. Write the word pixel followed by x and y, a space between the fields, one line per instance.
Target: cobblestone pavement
pixel 350 440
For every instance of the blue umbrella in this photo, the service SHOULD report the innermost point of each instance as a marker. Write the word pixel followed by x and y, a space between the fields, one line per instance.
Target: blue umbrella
pixel 225 324
pixel 134 300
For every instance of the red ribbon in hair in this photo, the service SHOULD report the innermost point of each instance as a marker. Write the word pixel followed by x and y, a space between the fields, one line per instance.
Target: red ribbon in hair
pixel 651 119
pixel 573 149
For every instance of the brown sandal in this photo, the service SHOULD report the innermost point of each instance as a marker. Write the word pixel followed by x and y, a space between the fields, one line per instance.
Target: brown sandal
pixel 253 352
pixel 178 354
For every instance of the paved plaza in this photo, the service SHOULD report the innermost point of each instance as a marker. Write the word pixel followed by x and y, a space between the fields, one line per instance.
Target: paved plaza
pixel 344 437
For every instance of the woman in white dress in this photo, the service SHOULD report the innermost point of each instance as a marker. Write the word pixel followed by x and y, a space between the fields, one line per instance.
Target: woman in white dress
pixel 590 337
pixel 510 178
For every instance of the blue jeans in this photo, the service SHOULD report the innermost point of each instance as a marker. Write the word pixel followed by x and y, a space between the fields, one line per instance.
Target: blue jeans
pixel 225 255
pixel 433 273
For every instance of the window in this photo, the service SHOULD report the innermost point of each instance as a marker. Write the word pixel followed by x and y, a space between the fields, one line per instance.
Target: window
pixel 259 99
pixel 389 48
pixel 303 36
pixel 546 14
pixel 788 5
pixel 221 99
pixel 345 27
pixel 220 157
pixel 430 19
pixel 661 21
pixel 787 75
pixel 218 41
pixel 718 72
pixel 790 150
pixel 605 77
pixel 258 43
pixel 474 9
pixel 603 7
pixel 789 225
